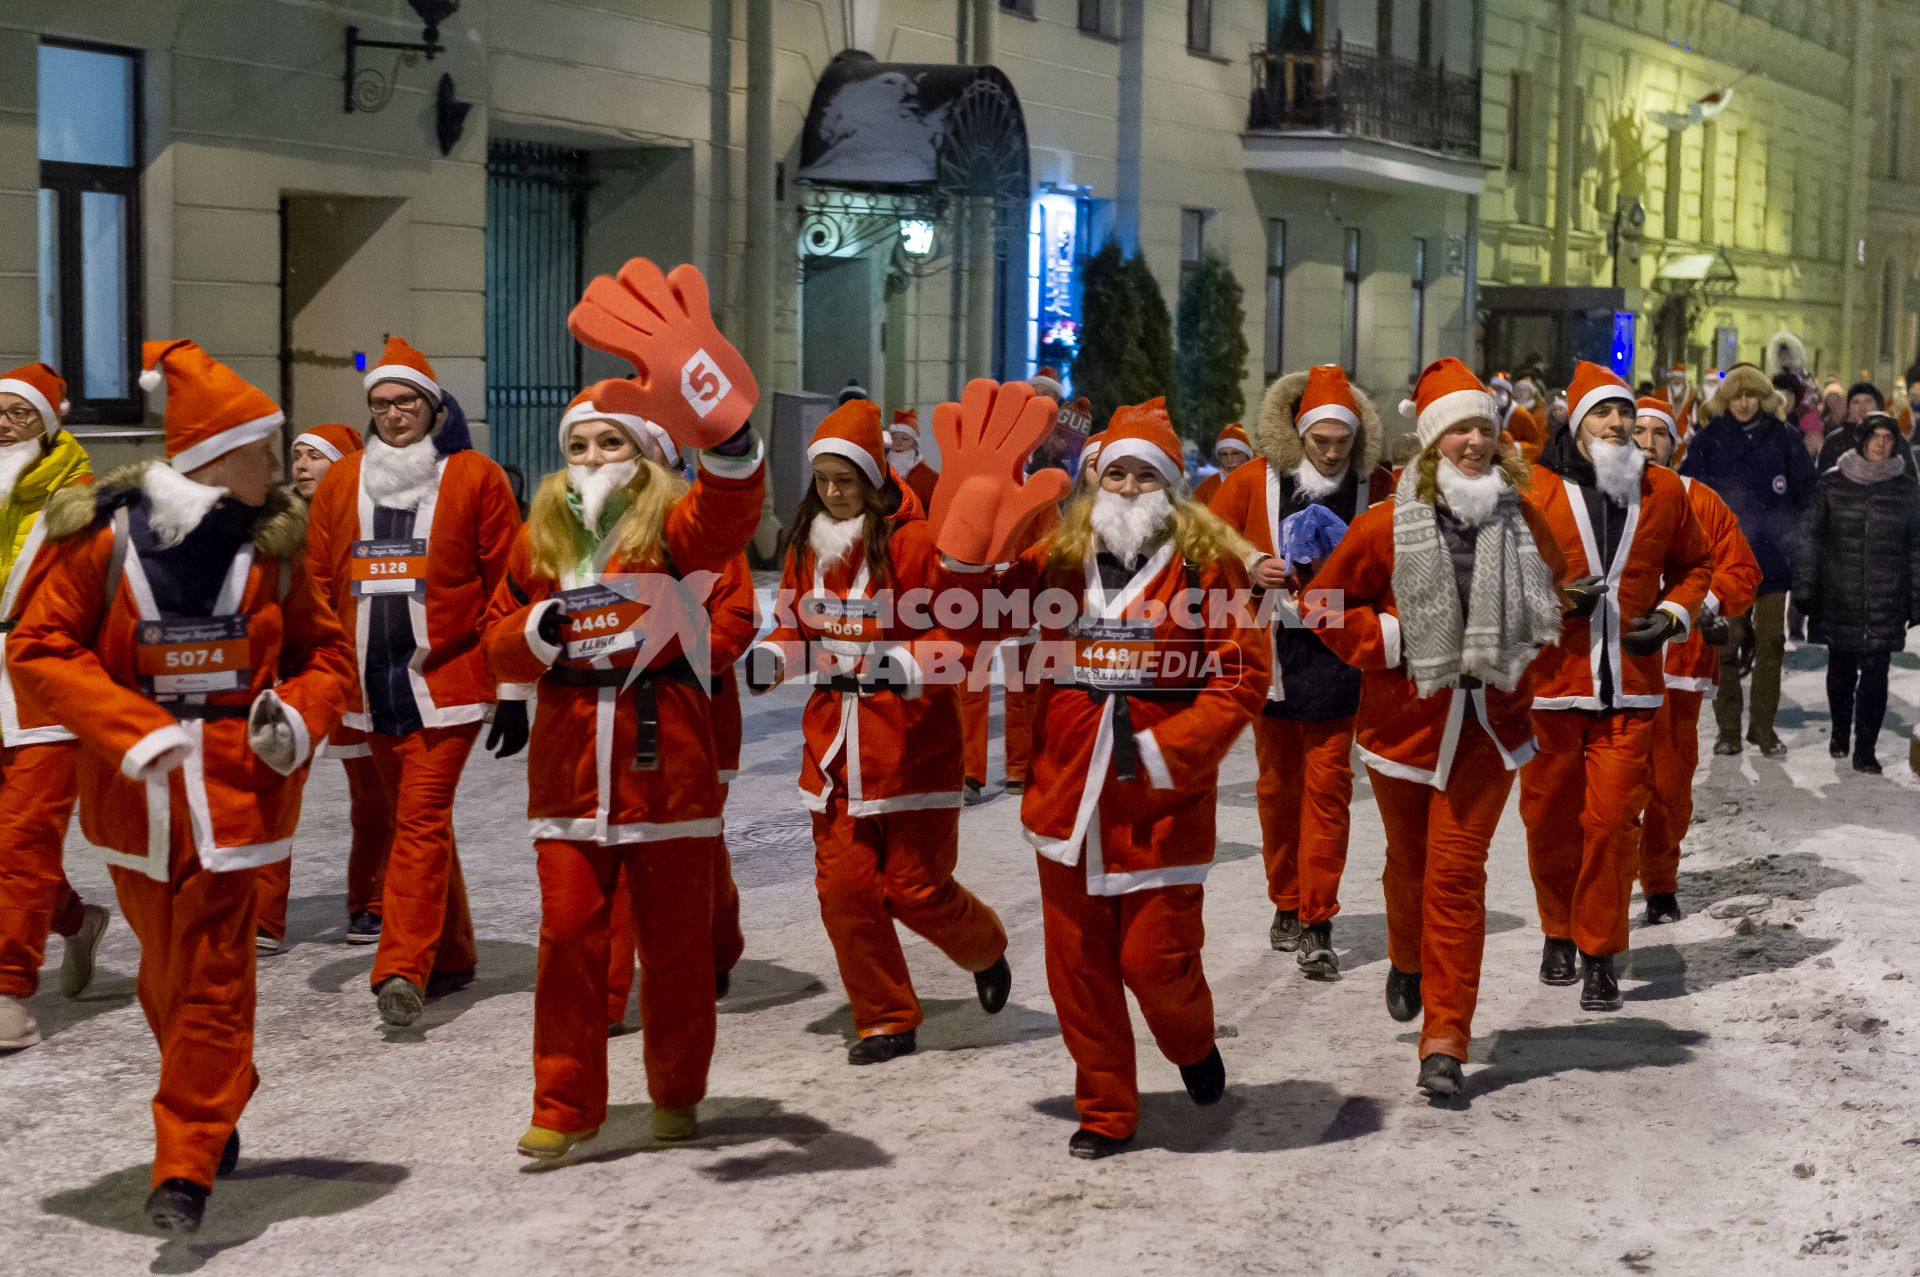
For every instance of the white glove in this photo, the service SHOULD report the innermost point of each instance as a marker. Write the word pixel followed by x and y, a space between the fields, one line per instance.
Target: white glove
pixel 271 736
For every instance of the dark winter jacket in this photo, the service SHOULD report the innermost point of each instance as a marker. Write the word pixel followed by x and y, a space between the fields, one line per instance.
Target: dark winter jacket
pixel 1857 574
pixel 1844 438
pixel 1764 474
pixel 1319 687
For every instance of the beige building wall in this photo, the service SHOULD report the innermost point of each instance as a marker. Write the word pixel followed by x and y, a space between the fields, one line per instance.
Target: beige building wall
pixel 1887 330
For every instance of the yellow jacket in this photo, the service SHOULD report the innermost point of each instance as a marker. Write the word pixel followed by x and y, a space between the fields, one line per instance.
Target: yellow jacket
pixel 64 462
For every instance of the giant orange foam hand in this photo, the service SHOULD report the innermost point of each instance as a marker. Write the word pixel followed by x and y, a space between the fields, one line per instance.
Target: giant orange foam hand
pixel 695 385
pixel 981 503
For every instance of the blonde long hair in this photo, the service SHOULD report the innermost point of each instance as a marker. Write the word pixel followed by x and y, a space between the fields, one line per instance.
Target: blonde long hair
pixel 1426 468
pixel 1199 535
pixel 559 543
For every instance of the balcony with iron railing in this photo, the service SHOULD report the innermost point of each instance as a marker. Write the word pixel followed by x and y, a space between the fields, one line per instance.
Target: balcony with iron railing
pixel 1353 93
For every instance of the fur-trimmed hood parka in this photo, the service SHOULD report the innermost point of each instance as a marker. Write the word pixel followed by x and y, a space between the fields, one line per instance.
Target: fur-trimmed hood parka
pixel 1279 441
pixel 1745 379
pixel 279 528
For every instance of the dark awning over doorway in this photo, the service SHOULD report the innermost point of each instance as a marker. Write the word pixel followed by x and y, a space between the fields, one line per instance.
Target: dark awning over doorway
pixel 893 126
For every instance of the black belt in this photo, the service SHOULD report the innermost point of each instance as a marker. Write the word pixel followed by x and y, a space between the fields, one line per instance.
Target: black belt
pixel 205 713
pixel 646 699
pixel 1126 755
pixel 853 685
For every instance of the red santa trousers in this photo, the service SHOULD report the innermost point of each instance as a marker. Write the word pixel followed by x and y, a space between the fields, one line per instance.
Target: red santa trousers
pixel 36 804
pixel 1305 791
pixel 1098 947
pixel 671 891
pixel 370 814
pixel 426 926
pixel 873 871
pixel 1436 883
pixel 974 705
pixel 196 988
pixel 1676 753
pixel 729 942
pixel 1594 764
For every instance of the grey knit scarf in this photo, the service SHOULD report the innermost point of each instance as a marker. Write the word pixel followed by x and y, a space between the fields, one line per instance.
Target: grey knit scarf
pixel 1513 607
pixel 1856 467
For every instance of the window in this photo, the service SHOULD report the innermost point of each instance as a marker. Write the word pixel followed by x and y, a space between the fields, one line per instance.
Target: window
pixel 1383 26
pixel 1709 178
pixel 1426 33
pixel 1896 116
pixel 1193 240
pixel 89 227
pixel 1419 339
pixel 1100 17
pixel 1350 307
pixel 1276 296
pixel 1519 89
pixel 1200 26
pixel 1886 309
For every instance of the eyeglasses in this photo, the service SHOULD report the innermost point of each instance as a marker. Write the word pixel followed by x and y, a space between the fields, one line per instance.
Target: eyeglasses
pixel 22 415
pixel 402 404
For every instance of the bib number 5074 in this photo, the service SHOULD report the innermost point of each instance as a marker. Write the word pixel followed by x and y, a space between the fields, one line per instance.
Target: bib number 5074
pixel 702 384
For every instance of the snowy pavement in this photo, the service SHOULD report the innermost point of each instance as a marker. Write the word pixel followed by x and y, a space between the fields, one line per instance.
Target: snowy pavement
pixel 1751 1110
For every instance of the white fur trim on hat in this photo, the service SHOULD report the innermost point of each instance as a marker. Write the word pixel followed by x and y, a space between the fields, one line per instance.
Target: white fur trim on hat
pixel 851 451
pixel 1447 411
pixel 31 393
pixel 1673 427
pixel 638 428
pixel 1594 398
pixel 1499 382
pixel 412 376
pixel 1326 412
pixel 191 459
pixel 1233 445
pixel 1141 450
pixel 319 445
pixel 901 427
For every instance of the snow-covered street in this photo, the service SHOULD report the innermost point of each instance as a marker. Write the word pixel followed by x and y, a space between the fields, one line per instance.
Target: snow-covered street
pixel 1751 1110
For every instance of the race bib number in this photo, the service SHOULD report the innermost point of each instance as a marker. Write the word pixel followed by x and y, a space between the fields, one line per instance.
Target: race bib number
pixel 387 568
pixel 198 654
pixel 1113 655
pixel 601 621
pixel 847 627
pixel 702 384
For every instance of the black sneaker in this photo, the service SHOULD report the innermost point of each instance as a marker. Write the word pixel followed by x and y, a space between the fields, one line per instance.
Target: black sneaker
pixel 973 794
pixel 1727 746
pixel 1600 988
pixel 1403 993
pixel 1092 1145
pixel 993 985
pixel 230 1155
pixel 1868 766
pixel 177 1206
pixel 1771 746
pixel 1315 955
pixel 363 928
pixel 1556 962
pixel 1016 787
pixel 1207 1080
pixel 1662 906
pixel 881 1047
pixel 1836 749
pixel 1284 934
pixel 1440 1075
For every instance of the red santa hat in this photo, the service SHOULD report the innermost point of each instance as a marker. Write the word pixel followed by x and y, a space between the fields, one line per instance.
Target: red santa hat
pixel 1592 386
pixel 1655 406
pixel 211 409
pixel 1448 393
pixel 852 431
pixel 1144 432
pixel 1046 381
pixel 1233 439
pixel 40 386
pixel 1328 397
pixel 1501 381
pixel 401 362
pixel 907 421
pixel 617 400
pixel 332 440
pixel 1090 450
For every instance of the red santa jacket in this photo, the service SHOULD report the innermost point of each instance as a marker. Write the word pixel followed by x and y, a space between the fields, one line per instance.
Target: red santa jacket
pixel 1663 561
pixel 1691 664
pixel 734 612
pixel 1399 732
pixel 1210 665
pixel 1249 501
pixel 1523 427
pixel 591 775
pixel 98 667
pixel 23 722
pixel 1203 492
pixel 885 749
pixel 468 523
pixel 922 479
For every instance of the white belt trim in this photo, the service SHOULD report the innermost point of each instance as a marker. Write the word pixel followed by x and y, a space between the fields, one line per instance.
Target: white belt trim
pixel 591 829
pixel 938 800
pixel 1691 684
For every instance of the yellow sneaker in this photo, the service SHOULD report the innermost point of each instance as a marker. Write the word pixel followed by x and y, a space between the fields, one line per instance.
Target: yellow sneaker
pixel 670 1126
pixel 546 1145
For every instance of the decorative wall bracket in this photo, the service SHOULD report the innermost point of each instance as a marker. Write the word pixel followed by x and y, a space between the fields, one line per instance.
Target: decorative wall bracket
pixel 365 88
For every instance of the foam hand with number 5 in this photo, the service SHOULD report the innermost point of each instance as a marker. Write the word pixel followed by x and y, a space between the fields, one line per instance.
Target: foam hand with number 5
pixel 690 380
pixel 980 504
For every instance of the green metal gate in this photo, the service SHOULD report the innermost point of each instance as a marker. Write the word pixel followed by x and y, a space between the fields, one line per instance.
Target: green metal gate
pixel 536 224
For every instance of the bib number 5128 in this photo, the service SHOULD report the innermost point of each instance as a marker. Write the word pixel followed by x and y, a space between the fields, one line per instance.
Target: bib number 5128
pixel 702 384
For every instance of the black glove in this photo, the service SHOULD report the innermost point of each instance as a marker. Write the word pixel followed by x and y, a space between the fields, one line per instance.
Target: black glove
pixel 1584 595
pixel 551 621
pixel 1714 630
pixel 1650 632
pixel 763 670
pixel 509 734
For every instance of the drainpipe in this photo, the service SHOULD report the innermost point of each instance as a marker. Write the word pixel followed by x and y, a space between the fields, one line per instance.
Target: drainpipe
pixel 760 256
pixel 719 147
pixel 1126 201
pixel 1564 184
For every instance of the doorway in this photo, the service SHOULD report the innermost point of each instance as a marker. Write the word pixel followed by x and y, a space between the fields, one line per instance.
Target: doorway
pixel 841 312
pixel 339 258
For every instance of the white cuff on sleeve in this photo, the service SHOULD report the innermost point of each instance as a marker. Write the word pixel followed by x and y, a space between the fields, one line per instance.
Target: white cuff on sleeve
pixel 1390 638
pixel 506 692
pixel 134 763
pixel 544 652
pixel 1153 760
pixel 1711 603
pixel 1679 614
pixel 734 467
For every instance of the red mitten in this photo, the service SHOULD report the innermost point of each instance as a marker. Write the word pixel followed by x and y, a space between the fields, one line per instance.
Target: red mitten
pixel 980 503
pixel 696 385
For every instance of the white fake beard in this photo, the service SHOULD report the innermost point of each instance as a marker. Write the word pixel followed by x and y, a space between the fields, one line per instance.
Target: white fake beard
pixel 1471 498
pixel 1501 399
pixel 595 486
pixel 175 503
pixel 1617 468
pixel 832 540
pixel 400 478
pixel 1524 400
pixel 1126 524
pixel 15 459
pixel 1315 484
pixel 904 461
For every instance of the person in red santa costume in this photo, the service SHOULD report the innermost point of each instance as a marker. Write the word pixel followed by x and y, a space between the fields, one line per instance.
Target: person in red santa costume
pixel 1519 427
pixel 1641 567
pixel 1148 679
pixel 1320 437
pixel 369 802
pixel 177 633
pixel 410 540
pixel 1231 451
pixel 1442 597
pixel 1692 667
pixel 883 760
pixel 37 460
pixel 903 454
